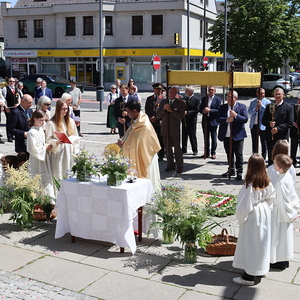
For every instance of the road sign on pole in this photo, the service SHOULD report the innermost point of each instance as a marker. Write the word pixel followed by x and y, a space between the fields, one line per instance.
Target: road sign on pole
pixel 205 61
pixel 156 62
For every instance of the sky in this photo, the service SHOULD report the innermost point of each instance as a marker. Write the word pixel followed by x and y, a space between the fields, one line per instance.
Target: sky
pixel 13 2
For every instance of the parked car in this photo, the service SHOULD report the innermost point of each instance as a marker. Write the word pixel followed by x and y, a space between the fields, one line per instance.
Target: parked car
pixel 296 81
pixel 56 83
pixel 273 81
pixel 3 83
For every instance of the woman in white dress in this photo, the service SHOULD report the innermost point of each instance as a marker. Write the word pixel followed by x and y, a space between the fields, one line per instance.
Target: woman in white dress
pixel 43 104
pixel 39 162
pixel 62 154
pixel 253 212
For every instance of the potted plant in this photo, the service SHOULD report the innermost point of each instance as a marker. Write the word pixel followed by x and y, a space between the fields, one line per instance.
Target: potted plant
pixel 20 194
pixel 115 165
pixel 84 166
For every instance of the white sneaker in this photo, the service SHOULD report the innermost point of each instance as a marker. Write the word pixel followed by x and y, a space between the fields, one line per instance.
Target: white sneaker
pixel 240 280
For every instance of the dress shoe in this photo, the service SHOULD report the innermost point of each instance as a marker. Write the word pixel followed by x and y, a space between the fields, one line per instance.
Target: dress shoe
pixel 10 140
pixel 195 153
pixel 1 142
pixel 169 169
pixel 79 134
pixel 281 265
pixel 184 152
pixel 241 281
pixel 180 170
pixel 226 174
pixel 213 157
pixel 238 177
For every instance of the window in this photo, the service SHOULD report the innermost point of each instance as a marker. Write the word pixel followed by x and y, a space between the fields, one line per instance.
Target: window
pixel 70 26
pixel 137 25
pixel 38 28
pixel 22 29
pixel 108 25
pixel 88 26
pixel 157 24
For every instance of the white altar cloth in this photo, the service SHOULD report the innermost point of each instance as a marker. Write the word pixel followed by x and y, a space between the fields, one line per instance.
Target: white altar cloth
pixel 96 211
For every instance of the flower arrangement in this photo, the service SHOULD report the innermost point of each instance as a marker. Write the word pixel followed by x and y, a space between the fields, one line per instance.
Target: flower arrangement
pixel 84 165
pixel 115 165
pixel 183 213
pixel 21 193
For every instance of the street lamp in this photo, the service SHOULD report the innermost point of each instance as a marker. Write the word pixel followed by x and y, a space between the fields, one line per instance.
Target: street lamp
pixel 100 88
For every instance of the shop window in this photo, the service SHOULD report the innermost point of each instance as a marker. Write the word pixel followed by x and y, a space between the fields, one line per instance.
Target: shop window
pixel 70 26
pixel 38 28
pixel 109 71
pixel 141 73
pixel 22 28
pixel 157 24
pixel 88 26
pixel 108 25
pixel 137 25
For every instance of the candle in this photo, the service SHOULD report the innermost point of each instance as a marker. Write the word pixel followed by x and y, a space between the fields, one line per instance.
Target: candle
pixel 131 176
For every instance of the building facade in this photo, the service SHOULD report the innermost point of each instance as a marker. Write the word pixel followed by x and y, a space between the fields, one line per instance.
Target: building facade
pixel 62 37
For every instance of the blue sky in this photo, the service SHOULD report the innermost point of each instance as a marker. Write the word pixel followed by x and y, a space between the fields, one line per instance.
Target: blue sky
pixel 13 2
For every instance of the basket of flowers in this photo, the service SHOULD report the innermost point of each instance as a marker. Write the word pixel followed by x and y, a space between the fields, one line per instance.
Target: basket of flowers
pixel 222 244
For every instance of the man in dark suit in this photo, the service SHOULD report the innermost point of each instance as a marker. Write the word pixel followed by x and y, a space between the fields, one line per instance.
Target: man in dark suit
pixel 189 123
pixel 232 118
pixel 294 133
pixel 283 120
pixel 43 91
pixel 12 100
pixel 171 113
pixel 18 123
pixel 209 107
pixel 151 108
pixel 120 112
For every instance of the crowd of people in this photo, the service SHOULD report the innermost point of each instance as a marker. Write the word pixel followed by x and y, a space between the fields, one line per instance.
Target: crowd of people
pixel 29 123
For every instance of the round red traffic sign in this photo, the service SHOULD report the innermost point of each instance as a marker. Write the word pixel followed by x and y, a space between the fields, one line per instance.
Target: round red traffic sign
pixel 205 61
pixel 156 62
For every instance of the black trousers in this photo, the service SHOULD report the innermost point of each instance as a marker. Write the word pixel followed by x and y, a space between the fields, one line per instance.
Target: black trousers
pixel 237 153
pixel 9 136
pixel 263 142
pixel 294 145
pixel 77 114
pixel 189 129
pixel 212 133
pixel 161 152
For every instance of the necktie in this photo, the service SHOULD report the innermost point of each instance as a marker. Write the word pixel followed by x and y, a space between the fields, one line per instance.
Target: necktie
pixel 13 90
pixel 124 99
pixel 26 111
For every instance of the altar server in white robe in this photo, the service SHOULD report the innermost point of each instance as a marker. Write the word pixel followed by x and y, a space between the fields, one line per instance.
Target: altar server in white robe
pixel 39 162
pixel 253 212
pixel 62 154
pixel 281 147
pixel 285 210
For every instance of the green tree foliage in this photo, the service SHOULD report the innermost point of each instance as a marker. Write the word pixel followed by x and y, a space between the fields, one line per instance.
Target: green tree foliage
pixel 260 31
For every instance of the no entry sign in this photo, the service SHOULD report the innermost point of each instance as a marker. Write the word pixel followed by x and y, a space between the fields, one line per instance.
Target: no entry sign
pixel 156 62
pixel 205 61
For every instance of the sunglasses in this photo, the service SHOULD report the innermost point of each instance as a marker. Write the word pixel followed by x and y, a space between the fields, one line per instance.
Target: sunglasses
pixel 47 104
pixel 11 81
pixel 65 108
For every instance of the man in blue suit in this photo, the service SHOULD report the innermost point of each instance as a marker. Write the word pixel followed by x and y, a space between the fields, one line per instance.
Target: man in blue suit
pixel 256 111
pixel 209 107
pixel 43 91
pixel 18 123
pixel 232 118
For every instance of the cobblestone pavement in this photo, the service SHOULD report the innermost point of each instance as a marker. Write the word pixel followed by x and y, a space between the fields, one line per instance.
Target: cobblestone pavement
pixel 17 287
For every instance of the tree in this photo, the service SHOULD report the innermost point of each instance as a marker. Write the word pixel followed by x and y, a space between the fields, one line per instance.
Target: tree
pixel 259 31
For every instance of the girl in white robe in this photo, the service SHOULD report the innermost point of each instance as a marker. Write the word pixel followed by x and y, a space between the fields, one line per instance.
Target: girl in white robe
pixel 62 154
pixel 281 147
pixel 285 210
pixel 39 162
pixel 253 212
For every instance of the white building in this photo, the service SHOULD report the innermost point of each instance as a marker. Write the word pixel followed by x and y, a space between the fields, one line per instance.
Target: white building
pixel 56 36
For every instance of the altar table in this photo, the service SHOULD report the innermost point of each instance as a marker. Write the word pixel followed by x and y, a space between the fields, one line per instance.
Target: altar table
pixel 93 210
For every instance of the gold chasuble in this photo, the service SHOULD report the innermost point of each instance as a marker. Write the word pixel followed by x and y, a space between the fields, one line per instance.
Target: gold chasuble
pixel 141 144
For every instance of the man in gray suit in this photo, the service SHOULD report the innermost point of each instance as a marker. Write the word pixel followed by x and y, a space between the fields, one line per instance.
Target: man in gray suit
pixel 171 112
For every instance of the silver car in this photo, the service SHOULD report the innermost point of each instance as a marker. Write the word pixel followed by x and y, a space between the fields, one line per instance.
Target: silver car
pixel 273 81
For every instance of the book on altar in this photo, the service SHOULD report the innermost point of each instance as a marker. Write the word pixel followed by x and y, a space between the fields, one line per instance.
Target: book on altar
pixel 67 139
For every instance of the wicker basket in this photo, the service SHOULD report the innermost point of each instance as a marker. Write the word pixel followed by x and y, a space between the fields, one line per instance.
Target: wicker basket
pixel 40 215
pixel 222 244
